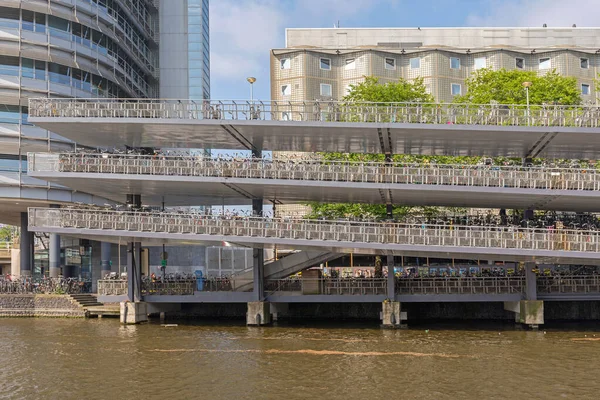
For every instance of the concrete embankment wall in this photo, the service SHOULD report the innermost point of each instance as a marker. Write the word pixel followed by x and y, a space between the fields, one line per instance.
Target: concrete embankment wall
pixel 39 305
pixel 571 311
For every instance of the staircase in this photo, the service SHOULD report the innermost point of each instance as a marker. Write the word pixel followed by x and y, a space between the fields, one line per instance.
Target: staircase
pixel 93 307
pixel 86 300
pixel 284 267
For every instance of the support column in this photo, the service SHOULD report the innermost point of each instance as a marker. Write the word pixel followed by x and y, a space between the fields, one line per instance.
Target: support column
pixel 259 311
pixel 54 255
pixel 134 279
pixel 26 246
pixel 105 259
pixel 391 278
pixel 259 314
pixel 134 311
pixel 527 214
pixel 530 282
pixel 391 317
pixel 258 257
pixel 389 208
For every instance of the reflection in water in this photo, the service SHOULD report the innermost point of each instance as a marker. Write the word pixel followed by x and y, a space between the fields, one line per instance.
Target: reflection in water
pixel 99 359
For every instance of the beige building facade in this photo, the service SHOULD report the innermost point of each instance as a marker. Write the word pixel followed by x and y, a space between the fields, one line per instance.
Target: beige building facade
pixel 324 63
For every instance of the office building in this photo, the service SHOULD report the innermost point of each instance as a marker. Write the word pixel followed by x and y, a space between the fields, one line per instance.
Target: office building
pixel 324 63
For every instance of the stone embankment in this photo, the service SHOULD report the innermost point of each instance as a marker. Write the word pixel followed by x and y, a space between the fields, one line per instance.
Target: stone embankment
pixel 39 305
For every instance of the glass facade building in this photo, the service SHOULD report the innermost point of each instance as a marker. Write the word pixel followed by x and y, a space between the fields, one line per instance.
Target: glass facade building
pixel 90 49
pixel 86 49
pixel 198 49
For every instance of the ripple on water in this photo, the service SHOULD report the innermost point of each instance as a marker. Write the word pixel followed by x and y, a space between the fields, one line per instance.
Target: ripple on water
pixel 75 359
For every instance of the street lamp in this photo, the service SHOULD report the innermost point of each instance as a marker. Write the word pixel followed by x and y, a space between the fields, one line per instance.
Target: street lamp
pixel 527 85
pixel 251 81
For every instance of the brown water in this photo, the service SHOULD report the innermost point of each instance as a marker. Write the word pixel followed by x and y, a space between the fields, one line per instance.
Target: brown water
pixel 99 359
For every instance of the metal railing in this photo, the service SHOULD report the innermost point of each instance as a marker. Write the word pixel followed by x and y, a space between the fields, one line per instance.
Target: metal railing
pixel 321 111
pixel 44 286
pixel 327 286
pixel 174 287
pixel 112 287
pixel 330 232
pixel 568 284
pixel 319 170
pixel 460 285
pixel 178 287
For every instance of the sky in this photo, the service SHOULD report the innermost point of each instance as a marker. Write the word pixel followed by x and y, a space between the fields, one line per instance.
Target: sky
pixel 244 31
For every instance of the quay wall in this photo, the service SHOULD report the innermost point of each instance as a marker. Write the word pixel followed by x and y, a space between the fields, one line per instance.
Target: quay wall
pixel 39 305
pixel 553 310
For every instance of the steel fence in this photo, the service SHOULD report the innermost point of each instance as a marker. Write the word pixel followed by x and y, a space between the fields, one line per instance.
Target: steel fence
pixel 319 170
pixel 174 223
pixel 179 287
pixel 44 286
pixel 460 285
pixel 568 284
pixel 327 286
pixel 112 287
pixel 320 111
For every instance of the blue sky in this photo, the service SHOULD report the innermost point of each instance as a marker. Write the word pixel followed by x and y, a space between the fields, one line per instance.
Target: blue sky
pixel 243 31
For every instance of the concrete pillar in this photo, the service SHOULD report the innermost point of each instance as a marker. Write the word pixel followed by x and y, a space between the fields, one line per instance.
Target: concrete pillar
pixel 390 314
pixel 133 313
pixel 26 246
pixel 105 257
pixel 259 314
pixel 15 263
pixel 530 282
pixel 527 312
pixel 54 255
pixel 391 278
pixel 532 313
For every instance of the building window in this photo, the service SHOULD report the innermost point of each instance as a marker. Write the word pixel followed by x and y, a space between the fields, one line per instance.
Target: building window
pixel 9 66
pixel 390 63
pixel 350 63
pixel 480 63
pixel 584 62
pixel 545 63
pixel 454 63
pixel 456 89
pixel 325 89
pixel 585 89
pixel 415 63
pixel 326 64
pixel 519 63
pixel 9 114
pixel 347 90
pixel 286 90
pixel 286 63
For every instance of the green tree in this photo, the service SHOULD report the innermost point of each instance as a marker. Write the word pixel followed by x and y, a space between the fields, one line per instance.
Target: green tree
pixel 392 92
pixel 371 90
pixel 506 87
pixel 6 233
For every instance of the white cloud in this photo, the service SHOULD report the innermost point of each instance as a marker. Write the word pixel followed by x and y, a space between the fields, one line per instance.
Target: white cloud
pixel 533 13
pixel 243 31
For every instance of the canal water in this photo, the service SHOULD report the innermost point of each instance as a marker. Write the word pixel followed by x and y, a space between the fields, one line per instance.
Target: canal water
pixel 100 359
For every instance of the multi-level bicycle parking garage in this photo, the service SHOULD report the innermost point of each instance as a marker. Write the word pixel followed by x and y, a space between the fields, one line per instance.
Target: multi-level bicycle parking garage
pixel 433 129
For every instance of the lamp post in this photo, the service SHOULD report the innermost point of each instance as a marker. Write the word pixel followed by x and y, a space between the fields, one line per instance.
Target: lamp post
pixel 527 85
pixel 251 81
